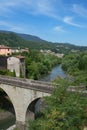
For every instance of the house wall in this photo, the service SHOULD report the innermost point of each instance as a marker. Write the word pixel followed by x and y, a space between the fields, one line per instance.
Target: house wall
pixel 13 64
pixel 5 51
pixel 17 65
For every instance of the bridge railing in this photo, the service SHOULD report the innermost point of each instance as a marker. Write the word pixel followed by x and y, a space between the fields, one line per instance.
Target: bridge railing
pixel 28 84
pixel 13 78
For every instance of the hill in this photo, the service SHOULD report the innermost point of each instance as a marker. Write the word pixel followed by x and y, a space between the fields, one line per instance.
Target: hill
pixel 25 36
pixel 30 37
pixel 17 40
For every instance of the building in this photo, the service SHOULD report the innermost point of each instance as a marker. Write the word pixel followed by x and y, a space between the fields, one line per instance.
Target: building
pixel 17 65
pixel 5 50
pixel 13 64
pixel 17 50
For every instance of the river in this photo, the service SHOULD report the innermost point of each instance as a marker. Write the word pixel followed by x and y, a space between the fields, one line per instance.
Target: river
pixel 56 71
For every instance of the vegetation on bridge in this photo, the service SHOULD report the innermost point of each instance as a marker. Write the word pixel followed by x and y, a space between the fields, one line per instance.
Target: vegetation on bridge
pixel 7 72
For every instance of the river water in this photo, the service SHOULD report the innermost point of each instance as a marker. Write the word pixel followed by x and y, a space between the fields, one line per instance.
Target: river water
pixel 56 71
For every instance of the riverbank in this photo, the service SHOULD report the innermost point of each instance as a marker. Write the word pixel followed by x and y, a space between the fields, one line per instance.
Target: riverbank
pixel 7 119
pixel 5 114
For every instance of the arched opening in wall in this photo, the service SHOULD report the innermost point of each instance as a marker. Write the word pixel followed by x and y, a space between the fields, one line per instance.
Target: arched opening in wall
pixel 34 107
pixel 30 113
pixel 7 112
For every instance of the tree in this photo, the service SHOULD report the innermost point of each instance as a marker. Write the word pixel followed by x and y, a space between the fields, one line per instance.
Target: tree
pixel 64 110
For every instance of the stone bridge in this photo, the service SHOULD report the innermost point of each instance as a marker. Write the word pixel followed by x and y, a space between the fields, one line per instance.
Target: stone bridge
pixel 22 93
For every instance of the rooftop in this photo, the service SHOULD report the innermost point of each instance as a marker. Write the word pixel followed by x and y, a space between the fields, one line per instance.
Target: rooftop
pixel 20 57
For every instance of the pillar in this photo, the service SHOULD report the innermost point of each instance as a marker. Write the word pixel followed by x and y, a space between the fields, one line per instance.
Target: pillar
pixel 20 125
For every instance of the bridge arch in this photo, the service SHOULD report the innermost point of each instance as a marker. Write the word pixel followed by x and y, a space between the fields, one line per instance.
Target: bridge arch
pixel 7 102
pixel 30 111
pixel 6 90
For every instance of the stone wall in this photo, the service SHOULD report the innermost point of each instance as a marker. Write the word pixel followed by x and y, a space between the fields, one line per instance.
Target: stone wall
pixel 16 65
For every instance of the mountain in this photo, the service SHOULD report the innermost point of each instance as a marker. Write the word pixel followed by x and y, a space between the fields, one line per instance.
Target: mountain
pixel 18 40
pixel 30 37
pixel 25 36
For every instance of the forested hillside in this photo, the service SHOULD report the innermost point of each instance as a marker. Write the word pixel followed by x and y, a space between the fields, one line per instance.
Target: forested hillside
pixel 15 40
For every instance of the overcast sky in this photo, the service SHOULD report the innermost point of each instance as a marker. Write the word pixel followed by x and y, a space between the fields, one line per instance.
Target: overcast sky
pixel 52 20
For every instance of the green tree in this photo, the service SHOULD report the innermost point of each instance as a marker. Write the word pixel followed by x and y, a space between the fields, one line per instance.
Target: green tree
pixel 64 110
pixel 38 64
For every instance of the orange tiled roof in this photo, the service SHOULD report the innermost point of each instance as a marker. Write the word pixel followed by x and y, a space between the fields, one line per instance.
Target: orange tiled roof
pixel 20 57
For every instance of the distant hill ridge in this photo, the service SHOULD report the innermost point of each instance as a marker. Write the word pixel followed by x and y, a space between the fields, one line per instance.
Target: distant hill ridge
pixel 30 37
pixel 26 36
pixel 13 39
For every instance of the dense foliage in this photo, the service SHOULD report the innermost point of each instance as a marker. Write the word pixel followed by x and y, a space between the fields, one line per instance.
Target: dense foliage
pixel 7 72
pixel 39 64
pixel 76 65
pixel 64 111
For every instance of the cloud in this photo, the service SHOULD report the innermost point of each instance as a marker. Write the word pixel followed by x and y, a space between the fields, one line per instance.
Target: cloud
pixel 7 7
pixel 80 10
pixel 69 20
pixel 59 29
pixel 10 26
pixel 35 7
pixel 41 7
pixel 50 8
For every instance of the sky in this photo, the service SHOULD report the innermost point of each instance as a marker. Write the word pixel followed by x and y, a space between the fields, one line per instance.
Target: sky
pixel 52 20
